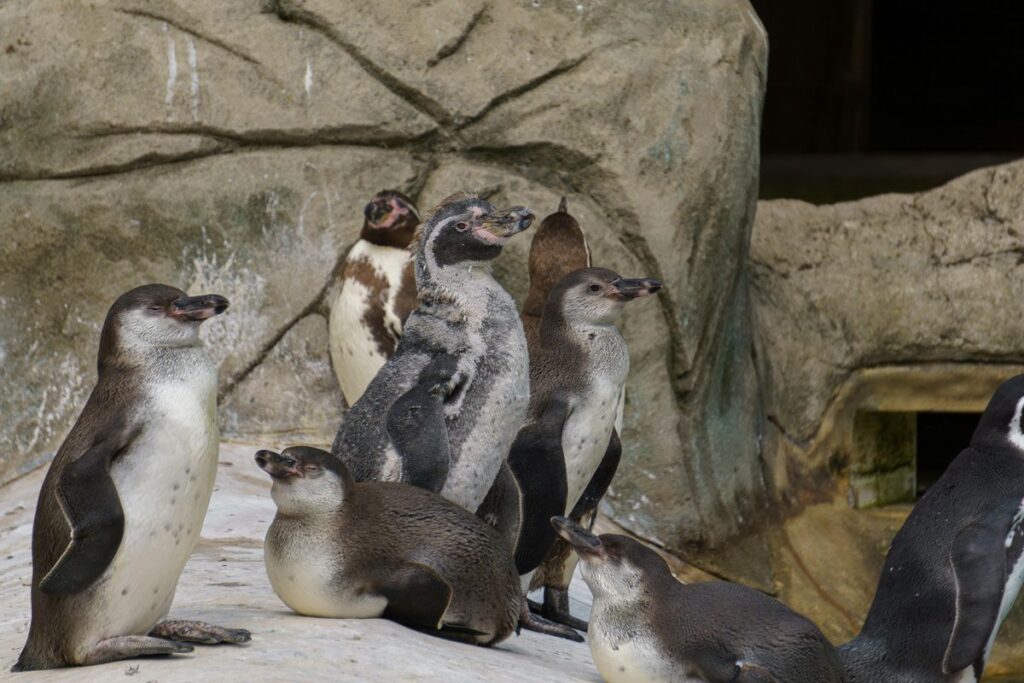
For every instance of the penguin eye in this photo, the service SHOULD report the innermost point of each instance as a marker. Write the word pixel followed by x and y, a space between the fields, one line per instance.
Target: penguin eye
pixel 595 288
pixel 156 307
pixel 462 226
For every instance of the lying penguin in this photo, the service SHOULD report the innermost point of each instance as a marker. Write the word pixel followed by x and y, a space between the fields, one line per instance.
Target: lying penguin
pixel 443 411
pixel 565 457
pixel 376 293
pixel 123 502
pixel 647 626
pixel 342 549
pixel 955 568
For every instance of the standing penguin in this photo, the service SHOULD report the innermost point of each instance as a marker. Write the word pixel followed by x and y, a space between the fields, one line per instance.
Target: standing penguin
pixel 563 460
pixel 123 502
pixel 376 293
pixel 954 570
pixel 443 411
pixel 559 247
pixel 647 626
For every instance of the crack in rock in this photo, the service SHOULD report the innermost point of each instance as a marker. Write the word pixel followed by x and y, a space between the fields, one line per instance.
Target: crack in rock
pixel 456 43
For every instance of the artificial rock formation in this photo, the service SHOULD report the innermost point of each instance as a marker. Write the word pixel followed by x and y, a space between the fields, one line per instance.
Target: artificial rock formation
pixel 230 146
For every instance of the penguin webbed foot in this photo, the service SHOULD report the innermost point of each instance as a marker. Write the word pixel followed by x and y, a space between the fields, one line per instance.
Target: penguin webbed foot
pixel 129 647
pixel 555 608
pixel 538 624
pixel 185 631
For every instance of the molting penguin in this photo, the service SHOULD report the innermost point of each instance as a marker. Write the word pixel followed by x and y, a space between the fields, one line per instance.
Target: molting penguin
pixel 563 460
pixel 343 549
pixel 376 293
pixel 647 626
pixel 444 410
pixel 954 570
pixel 558 248
pixel 123 502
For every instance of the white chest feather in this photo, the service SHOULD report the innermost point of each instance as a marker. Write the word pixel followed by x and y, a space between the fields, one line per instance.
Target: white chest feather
pixel 370 288
pixel 636 659
pixel 164 482
pixel 587 431
pixel 306 574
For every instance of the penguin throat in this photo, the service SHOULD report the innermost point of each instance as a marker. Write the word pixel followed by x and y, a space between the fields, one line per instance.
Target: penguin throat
pixel 1015 434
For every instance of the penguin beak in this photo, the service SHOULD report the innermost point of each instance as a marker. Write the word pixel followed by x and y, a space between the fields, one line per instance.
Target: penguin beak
pixel 278 466
pixel 198 308
pixel 632 289
pixel 587 545
pixel 498 227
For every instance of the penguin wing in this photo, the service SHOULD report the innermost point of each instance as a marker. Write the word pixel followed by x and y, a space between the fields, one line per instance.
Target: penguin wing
pixel 88 498
pixel 602 479
pixel 538 465
pixel 749 672
pixel 978 556
pixel 417 428
pixel 417 596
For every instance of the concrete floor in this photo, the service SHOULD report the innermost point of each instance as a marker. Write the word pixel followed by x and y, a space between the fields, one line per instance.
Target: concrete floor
pixel 225 583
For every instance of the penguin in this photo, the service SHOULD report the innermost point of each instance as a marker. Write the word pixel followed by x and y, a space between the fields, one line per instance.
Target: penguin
pixel 342 549
pixel 559 247
pixel 647 626
pixel 376 293
pixel 445 408
pixel 956 566
pixel 123 501
pixel 564 458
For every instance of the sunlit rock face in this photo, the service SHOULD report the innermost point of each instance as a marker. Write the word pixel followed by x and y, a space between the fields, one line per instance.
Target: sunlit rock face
pixel 230 147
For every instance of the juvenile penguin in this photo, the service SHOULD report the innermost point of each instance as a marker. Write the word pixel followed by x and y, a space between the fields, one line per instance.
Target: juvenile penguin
pixel 954 570
pixel 559 247
pixel 564 459
pixel 342 549
pixel 443 411
pixel 123 502
pixel 646 626
pixel 376 293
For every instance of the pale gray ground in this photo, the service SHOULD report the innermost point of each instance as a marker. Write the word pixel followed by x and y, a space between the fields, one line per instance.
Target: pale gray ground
pixel 225 583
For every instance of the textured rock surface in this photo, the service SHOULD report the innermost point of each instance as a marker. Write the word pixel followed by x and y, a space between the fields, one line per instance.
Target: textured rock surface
pixel 230 146
pixel 225 583
pixel 897 302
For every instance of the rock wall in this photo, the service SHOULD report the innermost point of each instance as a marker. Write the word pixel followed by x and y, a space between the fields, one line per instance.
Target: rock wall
pixel 892 303
pixel 229 147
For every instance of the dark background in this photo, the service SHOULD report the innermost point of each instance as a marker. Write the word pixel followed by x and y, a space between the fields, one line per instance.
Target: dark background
pixel 870 96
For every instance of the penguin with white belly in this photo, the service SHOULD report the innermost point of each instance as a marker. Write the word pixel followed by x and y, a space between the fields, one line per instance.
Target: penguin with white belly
pixel 648 627
pixel 565 457
pixel 376 293
pixel 955 567
pixel 444 410
pixel 124 500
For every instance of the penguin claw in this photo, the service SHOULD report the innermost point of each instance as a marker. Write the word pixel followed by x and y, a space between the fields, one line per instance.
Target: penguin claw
pixel 538 624
pixel 200 633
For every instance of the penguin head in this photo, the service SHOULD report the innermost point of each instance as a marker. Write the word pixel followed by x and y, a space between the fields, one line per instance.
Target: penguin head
pixel 558 248
pixel 155 317
pixel 305 479
pixel 595 296
pixel 465 230
pixel 390 219
pixel 614 567
pixel 1001 423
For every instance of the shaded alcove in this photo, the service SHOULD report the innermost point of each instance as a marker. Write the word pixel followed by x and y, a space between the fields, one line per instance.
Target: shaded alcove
pixel 896 456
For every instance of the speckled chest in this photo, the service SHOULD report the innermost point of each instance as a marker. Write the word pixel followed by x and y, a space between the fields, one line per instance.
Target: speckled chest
pixel 164 482
pixel 588 428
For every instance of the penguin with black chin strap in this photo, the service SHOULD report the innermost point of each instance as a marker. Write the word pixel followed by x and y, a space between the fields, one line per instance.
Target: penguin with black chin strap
pixel 955 567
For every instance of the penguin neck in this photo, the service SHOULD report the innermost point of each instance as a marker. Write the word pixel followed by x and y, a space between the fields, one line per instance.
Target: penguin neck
pixel 458 283
pixel 399 237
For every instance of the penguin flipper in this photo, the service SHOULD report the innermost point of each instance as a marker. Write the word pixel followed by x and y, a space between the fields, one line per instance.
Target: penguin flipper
pixel 417 428
pixel 92 508
pixel 417 596
pixel 979 564
pixel 538 465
